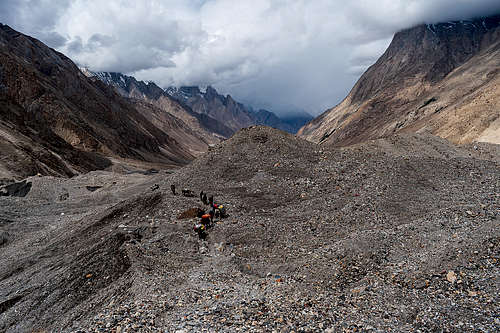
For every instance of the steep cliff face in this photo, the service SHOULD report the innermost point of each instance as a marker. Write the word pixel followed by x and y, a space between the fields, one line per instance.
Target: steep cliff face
pixel 443 79
pixel 49 108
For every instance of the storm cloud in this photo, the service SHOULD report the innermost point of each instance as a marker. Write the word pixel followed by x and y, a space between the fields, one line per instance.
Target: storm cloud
pixel 278 54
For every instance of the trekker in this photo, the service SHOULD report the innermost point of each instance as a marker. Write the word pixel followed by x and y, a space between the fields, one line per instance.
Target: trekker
pixel 219 211
pixel 172 188
pixel 201 196
pixel 215 211
pixel 200 229
pixel 222 211
pixel 205 199
pixel 206 220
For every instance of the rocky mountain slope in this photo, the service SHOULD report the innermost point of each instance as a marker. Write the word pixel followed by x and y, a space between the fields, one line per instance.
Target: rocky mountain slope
pixel 208 113
pixel 54 120
pixel 442 79
pixel 398 234
pixel 208 128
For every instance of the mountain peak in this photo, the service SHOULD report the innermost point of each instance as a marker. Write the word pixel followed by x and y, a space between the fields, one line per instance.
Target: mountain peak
pixel 425 75
pixel 211 91
pixel 189 91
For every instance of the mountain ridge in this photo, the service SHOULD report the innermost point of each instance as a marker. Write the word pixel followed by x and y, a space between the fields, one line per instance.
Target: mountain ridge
pixel 217 113
pixel 235 113
pixel 56 121
pixel 435 78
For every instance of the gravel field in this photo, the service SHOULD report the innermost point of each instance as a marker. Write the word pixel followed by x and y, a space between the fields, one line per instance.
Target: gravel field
pixel 399 234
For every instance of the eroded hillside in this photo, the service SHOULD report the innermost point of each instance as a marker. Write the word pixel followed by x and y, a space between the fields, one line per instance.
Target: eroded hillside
pixel 441 79
pixel 395 234
pixel 55 121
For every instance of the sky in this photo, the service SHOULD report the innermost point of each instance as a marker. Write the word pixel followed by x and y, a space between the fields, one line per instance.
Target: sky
pixel 275 54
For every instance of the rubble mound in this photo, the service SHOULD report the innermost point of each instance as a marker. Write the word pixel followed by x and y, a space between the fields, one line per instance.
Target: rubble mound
pixel 376 237
pixel 191 213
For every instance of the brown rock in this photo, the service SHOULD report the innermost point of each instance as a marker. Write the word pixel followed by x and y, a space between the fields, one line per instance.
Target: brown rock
pixel 451 277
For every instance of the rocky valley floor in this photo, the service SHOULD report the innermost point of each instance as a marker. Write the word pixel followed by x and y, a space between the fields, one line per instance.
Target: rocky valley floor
pixel 399 234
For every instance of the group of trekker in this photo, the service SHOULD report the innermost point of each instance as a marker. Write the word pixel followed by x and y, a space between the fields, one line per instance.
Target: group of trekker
pixel 206 220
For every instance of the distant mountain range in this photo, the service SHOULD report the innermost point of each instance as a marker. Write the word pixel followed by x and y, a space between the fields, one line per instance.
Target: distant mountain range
pixel 442 79
pixel 214 112
pixel 233 114
pixel 207 130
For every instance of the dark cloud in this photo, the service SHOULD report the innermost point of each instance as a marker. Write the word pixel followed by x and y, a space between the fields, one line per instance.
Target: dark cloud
pixel 98 40
pixel 35 17
pixel 278 54
pixel 9 11
pixel 75 46
pixel 53 39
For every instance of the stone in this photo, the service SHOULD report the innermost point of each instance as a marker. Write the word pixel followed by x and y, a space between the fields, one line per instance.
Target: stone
pixel 451 277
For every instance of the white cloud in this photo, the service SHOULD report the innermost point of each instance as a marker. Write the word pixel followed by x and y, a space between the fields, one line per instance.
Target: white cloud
pixel 272 53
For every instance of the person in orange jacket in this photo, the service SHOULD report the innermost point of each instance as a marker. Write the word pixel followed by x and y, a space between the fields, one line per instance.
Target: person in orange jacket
pixel 207 219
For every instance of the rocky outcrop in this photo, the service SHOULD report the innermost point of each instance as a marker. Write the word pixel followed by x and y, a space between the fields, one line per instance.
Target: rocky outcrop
pixel 16 189
pixel 442 79
pixel 54 120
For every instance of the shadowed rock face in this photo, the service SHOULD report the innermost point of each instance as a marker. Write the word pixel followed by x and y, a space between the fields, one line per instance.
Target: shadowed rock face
pixel 443 79
pixel 57 121
pixel 16 189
